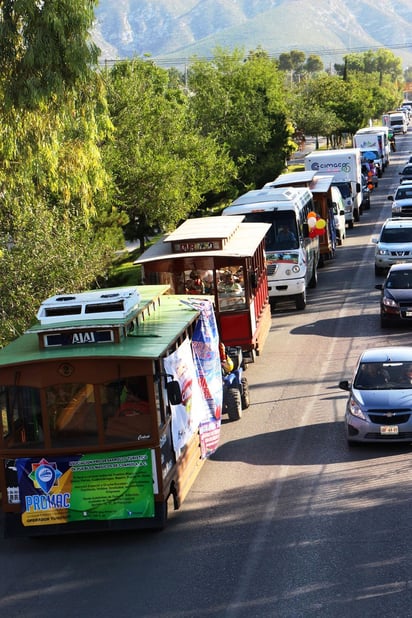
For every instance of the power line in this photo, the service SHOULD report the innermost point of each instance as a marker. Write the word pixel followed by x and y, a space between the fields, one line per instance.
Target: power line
pixel 274 54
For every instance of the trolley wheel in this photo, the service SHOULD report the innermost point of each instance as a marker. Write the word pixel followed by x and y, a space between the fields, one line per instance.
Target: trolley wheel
pixel 233 404
pixel 245 397
pixel 161 515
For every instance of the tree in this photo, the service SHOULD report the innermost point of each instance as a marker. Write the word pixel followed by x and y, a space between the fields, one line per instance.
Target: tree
pixel 381 65
pixel 241 104
pixel 292 62
pixel 161 164
pixel 46 48
pixel 57 227
pixel 313 64
pixel 325 105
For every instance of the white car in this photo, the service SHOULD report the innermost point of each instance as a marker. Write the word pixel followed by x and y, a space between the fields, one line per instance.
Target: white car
pixel 394 244
pixel 402 200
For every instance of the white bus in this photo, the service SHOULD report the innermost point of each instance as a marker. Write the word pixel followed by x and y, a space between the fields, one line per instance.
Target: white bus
pixel 292 255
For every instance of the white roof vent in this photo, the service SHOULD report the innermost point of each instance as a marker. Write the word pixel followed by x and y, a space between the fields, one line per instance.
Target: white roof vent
pixel 115 303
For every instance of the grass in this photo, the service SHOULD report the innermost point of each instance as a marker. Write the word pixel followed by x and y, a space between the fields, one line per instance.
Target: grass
pixel 124 272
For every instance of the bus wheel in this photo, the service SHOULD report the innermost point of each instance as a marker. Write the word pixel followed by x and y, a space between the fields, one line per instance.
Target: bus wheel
pixel 301 301
pixel 245 398
pixel 233 404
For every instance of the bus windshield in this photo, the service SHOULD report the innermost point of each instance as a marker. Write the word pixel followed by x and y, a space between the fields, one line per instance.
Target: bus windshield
pixel 283 234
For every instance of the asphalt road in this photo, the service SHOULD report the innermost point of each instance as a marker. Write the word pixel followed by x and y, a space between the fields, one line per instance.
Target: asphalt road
pixel 284 520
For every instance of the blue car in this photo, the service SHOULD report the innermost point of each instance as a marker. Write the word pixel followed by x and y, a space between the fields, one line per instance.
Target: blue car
pixel 379 406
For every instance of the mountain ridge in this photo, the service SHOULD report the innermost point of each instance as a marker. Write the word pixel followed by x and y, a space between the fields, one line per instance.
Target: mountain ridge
pixel 173 30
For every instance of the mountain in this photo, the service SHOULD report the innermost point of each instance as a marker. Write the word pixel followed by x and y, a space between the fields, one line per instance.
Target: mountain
pixel 174 30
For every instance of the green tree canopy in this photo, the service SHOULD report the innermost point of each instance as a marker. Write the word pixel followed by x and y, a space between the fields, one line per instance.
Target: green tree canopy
pixel 241 104
pixel 161 164
pixel 57 227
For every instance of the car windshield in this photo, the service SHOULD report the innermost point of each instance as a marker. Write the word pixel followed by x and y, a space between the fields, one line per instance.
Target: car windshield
pixel 400 280
pixel 404 193
pixel 381 376
pixel 397 235
pixel 344 188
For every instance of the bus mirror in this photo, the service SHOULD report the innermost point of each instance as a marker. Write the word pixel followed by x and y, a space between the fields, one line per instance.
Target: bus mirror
pixel 174 393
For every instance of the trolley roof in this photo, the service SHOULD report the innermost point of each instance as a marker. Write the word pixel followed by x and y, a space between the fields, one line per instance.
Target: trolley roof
pixel 290 179
pixel 166 318
pixel 208 237
pixel 317 183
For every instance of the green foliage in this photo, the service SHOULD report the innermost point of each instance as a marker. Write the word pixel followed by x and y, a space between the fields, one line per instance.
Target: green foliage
pixel 332 105
pixel 46 48
pixel 86 157
pixel 47 254
pixel 161 164
pixel 241 104
pixel 57 226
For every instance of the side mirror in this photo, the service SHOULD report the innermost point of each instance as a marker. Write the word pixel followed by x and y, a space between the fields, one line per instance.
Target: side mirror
pixel 379 286
pixel 344 385
pixel 174 393
pixel 390 198
pixel 375 240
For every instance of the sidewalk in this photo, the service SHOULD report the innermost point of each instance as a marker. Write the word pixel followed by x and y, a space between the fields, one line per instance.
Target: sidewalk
pixel 297 157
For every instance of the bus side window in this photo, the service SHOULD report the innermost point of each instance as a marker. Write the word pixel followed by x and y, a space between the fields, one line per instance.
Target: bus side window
pixel 126 409
pixel 21 416
pixel 72 413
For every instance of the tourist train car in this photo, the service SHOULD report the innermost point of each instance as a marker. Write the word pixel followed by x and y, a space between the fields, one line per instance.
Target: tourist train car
pixel 110 404
pixel 223 258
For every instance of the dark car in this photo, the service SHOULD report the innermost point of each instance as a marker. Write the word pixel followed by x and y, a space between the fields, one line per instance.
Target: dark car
pixel 379 405
pixel 406 173
pixel 396 295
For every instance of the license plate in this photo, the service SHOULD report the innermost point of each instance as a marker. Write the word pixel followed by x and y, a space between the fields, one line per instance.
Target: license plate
pixel 389 429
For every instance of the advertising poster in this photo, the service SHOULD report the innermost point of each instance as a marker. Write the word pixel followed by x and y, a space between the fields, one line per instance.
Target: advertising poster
pixel 186 416
pixel 103 486
pixel 205 344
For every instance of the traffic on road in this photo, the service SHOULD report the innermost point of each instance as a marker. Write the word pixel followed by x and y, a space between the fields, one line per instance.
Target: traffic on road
pixel 285 519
